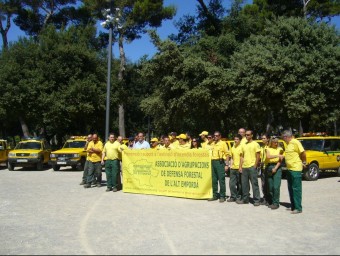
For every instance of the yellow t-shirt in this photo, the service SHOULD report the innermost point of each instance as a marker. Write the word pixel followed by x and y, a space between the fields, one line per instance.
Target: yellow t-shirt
pixel 87 154
pixel 263 155
pixel 292 155
pixel 168 148
pixel 219 150
pixel 204 143
pixel 236 156
pixel 184 146
pixel 175 143
pixel 121 149
pixel 249 151
pixel 111 150
pixel 243 141
pixel 273 152
pixel 95 157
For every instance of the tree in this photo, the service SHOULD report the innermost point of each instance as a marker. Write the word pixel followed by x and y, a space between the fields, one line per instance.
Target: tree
pixel 187 91
pixel 56 85
pixel 208 21
pixel 136 16
pixel 289 74
pixel 7 9
pixel 34 16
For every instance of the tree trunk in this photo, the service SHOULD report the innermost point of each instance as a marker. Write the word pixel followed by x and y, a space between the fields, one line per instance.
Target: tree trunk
pixel 300 128
pixel 24 127
pixel 335 129
pixel 305 2
pixel 121 112
pixel 4 31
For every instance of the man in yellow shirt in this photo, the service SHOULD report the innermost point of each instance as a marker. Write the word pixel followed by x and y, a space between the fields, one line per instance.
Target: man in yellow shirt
pixel 183 142
pixel 235 175
pixel 154 143
pixel 167 143
pixel 94 150
pixel 112 165
pixel 250 158
pixel 242 132
pixel 295 157
pixel 218 167
pixel 204 139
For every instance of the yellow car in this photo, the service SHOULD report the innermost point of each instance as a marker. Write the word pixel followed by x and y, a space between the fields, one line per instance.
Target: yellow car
pixel 71 154
pixel 322 154
pixel 4 149
pixel 29 152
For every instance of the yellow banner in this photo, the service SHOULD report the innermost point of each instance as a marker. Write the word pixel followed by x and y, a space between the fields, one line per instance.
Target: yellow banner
pixel 178 173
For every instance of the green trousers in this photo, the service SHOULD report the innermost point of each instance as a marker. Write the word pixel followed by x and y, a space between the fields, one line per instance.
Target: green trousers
pixel 294 181
pixel 218 178
pixel 235 184
pixel 274 184
pixel 250 174
pixel 112 170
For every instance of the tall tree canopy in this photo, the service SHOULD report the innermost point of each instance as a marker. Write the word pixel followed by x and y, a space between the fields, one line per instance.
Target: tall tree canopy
pixel 56 84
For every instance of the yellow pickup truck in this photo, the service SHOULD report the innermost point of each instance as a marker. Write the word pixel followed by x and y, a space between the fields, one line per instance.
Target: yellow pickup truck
pixel 29 152
pixel 71 154
pixel 4 149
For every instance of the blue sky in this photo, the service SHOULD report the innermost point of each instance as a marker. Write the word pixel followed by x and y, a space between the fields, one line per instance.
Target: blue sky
pixel 138 48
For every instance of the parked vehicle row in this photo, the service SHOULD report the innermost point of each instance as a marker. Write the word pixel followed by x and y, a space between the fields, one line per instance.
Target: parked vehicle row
pixel 322 154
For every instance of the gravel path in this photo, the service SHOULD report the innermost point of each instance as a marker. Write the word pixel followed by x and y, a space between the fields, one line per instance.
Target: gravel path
pixel 47 212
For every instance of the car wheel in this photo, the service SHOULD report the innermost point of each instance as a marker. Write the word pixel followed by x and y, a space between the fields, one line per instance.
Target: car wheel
pixel 312 172
pixel 39 166
pixel 56 167
pixel 74 167
pixel 339 171
pixel 10 166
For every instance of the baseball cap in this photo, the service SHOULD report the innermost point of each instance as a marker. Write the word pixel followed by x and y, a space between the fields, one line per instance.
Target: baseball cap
pixel 204 133
pixel 182 136
pixel 154 140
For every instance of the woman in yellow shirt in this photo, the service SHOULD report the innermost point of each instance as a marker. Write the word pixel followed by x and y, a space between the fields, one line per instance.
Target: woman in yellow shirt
pixel 274 172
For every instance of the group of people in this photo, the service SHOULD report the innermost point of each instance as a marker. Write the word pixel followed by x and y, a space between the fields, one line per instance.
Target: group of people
pixel 242 161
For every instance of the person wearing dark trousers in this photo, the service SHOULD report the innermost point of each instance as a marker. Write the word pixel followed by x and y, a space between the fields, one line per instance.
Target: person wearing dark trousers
pixel 264 186
pixel 235 175
pixel 250 158
pixel 295 157
pixel 218 168
pixel 273 173
pixel 112 163
pixel 86 165
pixel 94 149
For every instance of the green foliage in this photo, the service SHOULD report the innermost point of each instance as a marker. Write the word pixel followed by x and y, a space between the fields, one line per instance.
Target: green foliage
pixel 290 73
pixel 57 84
pixel 33 16
pixel 186 90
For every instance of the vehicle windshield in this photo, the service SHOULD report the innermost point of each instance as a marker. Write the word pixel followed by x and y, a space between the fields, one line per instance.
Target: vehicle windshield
pixel 28 145
pixel 75 144
pixel 312 144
